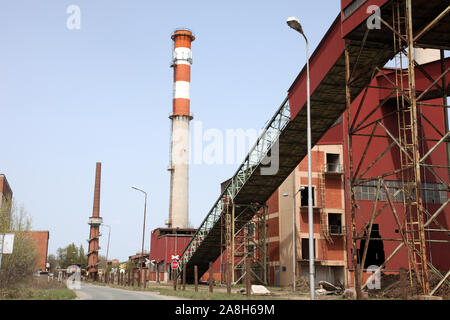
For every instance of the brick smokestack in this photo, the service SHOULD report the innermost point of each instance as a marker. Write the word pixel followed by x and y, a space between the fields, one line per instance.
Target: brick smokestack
pixel 181 116
pixel 98 178
pixel 95 221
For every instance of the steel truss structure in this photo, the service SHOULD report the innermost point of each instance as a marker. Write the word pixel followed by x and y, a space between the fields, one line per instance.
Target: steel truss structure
pixel 258 156
pixel 245 242
pixel 415 219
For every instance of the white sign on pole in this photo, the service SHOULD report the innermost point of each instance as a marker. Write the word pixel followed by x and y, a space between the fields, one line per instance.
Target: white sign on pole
pixel 6 243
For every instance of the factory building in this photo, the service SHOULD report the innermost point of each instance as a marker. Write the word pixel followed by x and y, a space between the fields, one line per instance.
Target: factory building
pixel 329 216
pixel 332 232
pixel 165 243
pixel 332 224
pixel 40 240
pixel 380 165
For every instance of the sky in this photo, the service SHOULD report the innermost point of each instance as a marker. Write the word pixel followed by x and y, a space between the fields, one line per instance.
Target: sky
pixel 72 97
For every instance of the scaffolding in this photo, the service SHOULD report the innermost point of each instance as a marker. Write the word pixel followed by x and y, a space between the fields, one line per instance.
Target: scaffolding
pixel 411 212
pixel 324 228
pixel 244 241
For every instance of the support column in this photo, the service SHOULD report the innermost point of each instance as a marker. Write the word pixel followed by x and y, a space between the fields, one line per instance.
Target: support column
pixel 444 103
pixel 415 140
pixel 356 273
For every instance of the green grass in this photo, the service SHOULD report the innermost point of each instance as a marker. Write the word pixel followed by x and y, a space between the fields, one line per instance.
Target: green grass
pixel 34 290
pixel 204 294
pixel 54 294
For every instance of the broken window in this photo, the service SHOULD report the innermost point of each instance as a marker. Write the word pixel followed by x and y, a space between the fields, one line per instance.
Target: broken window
pixel 305 248
pixel 304 196
pixel 250 229
pixel 375 250
pixel 335 223
pixel 333 163
pixel 251 251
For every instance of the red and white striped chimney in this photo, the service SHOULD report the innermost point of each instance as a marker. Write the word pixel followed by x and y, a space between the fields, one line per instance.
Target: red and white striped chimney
pixel 181 116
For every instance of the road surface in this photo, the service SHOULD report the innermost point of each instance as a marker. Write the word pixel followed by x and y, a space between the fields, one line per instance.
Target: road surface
pixel 92 292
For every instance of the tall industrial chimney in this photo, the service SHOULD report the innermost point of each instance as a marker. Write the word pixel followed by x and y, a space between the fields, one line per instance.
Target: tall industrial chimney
pixel 181 116
pixel 95 221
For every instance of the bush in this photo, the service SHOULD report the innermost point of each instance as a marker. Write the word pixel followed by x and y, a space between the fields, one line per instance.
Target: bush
pixel 20 265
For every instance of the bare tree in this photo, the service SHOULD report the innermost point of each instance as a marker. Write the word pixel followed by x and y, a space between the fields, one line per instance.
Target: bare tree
pixel 20 265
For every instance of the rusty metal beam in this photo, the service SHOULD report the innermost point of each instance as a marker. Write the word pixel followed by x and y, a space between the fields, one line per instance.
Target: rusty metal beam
pixel 369 231
pixel 432 24
pixel 434 83
pixel 352 193
pixel 440 283
pixel 365 152
pixel 435 146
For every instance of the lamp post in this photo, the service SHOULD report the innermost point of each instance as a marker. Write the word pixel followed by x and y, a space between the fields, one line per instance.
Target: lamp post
pixel 143 232
pixel 294 246
pixel 294 23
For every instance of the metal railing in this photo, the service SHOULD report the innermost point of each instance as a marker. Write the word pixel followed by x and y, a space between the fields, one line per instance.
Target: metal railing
pixel 259 151
pixel 335 229
pixel 333 168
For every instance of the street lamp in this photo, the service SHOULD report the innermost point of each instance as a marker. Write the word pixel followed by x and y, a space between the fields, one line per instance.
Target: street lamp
pixel 294 247
pixel 294 23
pixel 143 233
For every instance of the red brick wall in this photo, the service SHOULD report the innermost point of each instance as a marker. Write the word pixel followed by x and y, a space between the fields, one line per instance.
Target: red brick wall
pixel 272 203
pixel 273 227
pixel 304 220
pixel 333 193
pixel 317 162
pixel 274 251
pixel 40 238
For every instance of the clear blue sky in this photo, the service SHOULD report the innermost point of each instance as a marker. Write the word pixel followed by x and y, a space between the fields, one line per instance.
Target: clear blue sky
pixel 70 98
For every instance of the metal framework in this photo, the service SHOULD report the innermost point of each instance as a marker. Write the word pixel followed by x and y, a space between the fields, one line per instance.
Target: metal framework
pixel 255 157
pixel 245 241
pixel 412 213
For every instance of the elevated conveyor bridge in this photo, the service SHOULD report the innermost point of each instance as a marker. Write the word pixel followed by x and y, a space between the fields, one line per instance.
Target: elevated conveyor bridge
pixel 282 145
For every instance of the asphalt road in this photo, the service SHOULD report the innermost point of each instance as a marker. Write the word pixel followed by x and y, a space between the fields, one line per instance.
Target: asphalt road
pixel 92 292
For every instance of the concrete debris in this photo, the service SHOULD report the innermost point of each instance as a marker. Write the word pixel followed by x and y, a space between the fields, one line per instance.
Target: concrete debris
pixel 350 294
pixel 330 287
pixel 259 290
pixel 322 292
pixel 302 284
pixel 391 287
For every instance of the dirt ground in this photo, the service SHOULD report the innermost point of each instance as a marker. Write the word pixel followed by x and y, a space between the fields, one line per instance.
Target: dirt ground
pixel 391 287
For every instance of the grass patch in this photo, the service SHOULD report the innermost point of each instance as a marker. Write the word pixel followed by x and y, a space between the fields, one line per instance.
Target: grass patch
pixel 204 294
pixel 38 290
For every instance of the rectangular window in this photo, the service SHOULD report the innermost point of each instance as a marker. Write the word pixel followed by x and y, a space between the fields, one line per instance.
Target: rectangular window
pixel 352 7
pixel 251 251
pixel 304 196
pixel 305 249
pixel 250 229
pixel 335 223
pixel 431 192
pixel 333 163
